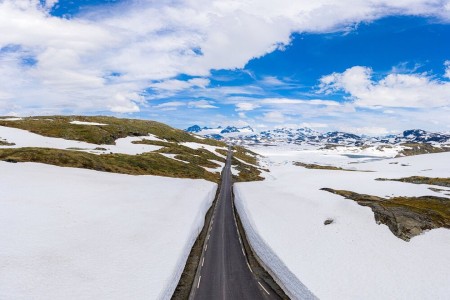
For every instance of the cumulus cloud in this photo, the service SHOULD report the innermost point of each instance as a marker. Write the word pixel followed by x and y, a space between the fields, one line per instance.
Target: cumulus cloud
pixel 50 3
pixel 202 104
pixel 394 90
pixel 447 69
pixel 107 59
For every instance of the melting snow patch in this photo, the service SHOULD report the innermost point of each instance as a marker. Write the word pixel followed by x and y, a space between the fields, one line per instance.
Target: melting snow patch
pixel 10 119
pixel 23 138
pixel 87 123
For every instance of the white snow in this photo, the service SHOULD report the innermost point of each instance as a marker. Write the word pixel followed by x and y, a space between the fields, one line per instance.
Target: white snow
pixel 79 234
pixel 11 119
pixel 23 138
pixel 352 258
pixel 215 170
pixel 234 171
pixel 152 137
pixel 87 123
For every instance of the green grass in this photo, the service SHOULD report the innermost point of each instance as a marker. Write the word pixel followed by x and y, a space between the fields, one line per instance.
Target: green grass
pixel 405 216
pixel 246 172
pixel 143 164
pixel 246 155
pixel 421 180
pixel 200 157
pixel 60 127
pixel 420 148
pixel 152 163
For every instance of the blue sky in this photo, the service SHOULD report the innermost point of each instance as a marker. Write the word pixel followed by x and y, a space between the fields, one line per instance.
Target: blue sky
pixel 366 67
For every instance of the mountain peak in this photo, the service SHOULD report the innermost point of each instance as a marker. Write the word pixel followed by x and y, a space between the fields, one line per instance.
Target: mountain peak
pixel 194 128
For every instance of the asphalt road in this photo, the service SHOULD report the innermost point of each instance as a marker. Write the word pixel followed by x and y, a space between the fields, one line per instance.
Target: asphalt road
pixel 223 271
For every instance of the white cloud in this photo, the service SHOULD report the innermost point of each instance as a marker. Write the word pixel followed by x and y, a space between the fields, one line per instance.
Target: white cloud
pixel 242 115
pixel 447 69
pixel 274 117
pixel 50 3
pixel 203 104
pixel 394 90
pixel 273 81
pixel 246 106
pixel 371 131
pixel 173 105
pixel 281 101
pixel 143 42
pixel 178 85
pixel 313 125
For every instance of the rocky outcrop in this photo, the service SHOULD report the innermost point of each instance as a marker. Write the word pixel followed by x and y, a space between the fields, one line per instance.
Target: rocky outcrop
pixel 406 217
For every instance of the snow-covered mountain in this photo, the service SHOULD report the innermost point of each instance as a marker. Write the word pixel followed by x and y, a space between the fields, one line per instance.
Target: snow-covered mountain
pixel 220 133
pixel 248 136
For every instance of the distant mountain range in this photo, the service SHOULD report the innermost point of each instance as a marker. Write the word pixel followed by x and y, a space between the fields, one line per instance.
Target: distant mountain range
pixel 247 136
pixel 220 133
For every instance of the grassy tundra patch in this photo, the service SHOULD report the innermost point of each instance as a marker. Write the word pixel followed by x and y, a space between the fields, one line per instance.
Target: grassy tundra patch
pixel 319 167
pixel 201 157
pixel 60 127
pixel 246 172
pixel 143 164
pixel 421 180
pixel 246 155
pixel 420 148
pixel 152 163
pixel 406 217
pixel 322 167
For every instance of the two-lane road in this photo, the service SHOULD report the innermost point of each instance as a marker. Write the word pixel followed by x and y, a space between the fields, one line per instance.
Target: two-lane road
pixel 223 271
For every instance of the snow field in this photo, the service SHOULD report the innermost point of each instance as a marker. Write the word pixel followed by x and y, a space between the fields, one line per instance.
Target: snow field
pixel 352 258
pixel 79 234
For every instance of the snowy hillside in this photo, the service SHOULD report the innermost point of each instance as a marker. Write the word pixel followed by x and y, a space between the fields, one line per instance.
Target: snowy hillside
pixel 80 234
pixel 72 233
pixel 332 245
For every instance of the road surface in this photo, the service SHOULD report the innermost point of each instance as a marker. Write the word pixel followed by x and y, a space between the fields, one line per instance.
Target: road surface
pixel 223 271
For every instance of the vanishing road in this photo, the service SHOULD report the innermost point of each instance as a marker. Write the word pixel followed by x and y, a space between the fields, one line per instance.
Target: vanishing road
pixel 223 271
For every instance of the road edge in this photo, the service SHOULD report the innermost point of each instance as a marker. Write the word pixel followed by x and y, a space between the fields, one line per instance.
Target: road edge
pixel 186 281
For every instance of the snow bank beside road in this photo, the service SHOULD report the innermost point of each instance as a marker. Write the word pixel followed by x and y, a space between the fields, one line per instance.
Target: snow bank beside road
pixel 284 277
pixel 79 234
pixel 352 258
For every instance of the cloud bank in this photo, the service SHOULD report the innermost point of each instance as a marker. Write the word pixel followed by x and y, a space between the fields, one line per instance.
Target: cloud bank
pixel 394 90
pixel 112 59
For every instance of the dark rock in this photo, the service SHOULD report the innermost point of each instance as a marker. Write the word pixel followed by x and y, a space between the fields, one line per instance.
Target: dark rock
pixel 328 221
pixel 10 160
